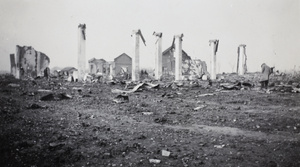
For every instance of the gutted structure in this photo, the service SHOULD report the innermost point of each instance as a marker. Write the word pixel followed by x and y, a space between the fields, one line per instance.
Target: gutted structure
pixel 168 60
pixel 27 62
pixel 122 64
pixel 98 66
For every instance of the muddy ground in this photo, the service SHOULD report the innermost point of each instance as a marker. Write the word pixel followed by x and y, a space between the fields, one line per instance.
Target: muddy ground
pixel 198 124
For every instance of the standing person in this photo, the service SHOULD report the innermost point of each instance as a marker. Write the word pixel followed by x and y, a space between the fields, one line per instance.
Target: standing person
pixel 266 72
pixel 47 73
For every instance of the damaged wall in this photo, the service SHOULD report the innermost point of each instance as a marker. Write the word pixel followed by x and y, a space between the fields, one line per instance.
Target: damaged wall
pixel 29 62
pixel 168 60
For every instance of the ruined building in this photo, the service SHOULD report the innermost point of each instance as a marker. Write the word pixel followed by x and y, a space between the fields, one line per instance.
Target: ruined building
pixel 122 64
pixel 28 62
pixel 189 66
pixel 98 66
pixel 168 60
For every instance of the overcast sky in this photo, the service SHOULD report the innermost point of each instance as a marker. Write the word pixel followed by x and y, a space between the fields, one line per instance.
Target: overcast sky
pixel 269 28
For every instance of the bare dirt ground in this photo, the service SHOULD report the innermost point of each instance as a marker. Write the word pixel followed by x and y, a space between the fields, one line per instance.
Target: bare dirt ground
pixel 199 124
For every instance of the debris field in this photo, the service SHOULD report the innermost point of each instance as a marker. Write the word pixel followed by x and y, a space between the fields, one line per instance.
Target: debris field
pixel 151 123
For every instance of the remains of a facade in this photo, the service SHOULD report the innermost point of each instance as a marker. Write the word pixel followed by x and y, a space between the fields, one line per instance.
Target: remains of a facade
pixel 27 62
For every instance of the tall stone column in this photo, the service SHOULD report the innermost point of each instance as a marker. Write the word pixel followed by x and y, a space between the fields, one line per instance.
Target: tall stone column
pixel 12 65
pixel 18 62
pixel 38 65
pixel 158 55
pixel 178 57
pixel 241 59
pixel 81 51
pixel 135 74
pixel 136 58
pixel 213 63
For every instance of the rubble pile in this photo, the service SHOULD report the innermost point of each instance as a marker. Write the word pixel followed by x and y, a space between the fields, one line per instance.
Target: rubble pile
pixel 194 68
